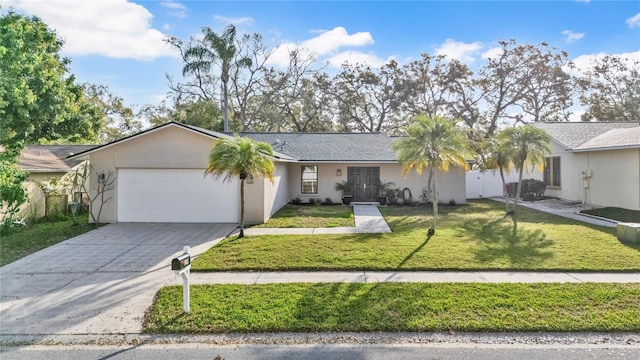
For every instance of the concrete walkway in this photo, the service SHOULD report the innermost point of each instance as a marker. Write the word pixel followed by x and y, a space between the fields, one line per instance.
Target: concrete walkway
pixel 367 218
pixel 247 278
pixel 565 209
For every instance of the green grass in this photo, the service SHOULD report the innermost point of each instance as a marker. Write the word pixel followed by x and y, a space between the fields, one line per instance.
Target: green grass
pixel 473 237
pixel 397 307
pixel 310 216
pixel 615 213
pixel 39 236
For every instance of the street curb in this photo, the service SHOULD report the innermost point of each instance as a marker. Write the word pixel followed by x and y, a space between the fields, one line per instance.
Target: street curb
pixel 624 339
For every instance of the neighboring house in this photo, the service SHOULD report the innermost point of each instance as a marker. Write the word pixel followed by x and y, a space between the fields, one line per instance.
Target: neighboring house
pixel 595 163
pixel 43 163
pixel 160 174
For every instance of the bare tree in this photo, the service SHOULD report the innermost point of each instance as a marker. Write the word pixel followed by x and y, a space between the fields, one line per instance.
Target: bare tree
pixel 610 90
pixel 368 99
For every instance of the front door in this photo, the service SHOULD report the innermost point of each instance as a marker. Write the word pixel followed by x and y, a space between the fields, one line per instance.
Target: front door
pixel 364 183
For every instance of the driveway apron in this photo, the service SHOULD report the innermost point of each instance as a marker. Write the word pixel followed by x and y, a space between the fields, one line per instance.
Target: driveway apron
pixel 100 282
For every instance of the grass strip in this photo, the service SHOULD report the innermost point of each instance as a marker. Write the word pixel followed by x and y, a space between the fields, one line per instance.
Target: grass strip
pixel 614 213
pixel 41 235
pixel 342 307
pixel 311 216
pixel 477 236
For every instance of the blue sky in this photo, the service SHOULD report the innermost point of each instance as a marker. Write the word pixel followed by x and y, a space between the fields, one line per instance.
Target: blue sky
pixel 119 42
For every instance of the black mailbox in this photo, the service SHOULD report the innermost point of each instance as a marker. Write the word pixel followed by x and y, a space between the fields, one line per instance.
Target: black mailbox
pixel 181 262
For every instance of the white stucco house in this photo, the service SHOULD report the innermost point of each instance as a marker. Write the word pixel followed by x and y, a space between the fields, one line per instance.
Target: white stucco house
pixel 160 174
pixel 595 163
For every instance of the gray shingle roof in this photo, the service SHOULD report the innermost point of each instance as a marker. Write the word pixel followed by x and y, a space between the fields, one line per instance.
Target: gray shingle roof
pixel 51 157
pixel 615 138
pixel 330 146
pixel 573 134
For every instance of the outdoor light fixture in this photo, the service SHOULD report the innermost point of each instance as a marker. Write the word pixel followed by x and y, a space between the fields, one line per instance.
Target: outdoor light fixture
pixel 339 172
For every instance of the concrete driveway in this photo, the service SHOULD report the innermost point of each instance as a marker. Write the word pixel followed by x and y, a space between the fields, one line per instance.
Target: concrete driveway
pixel 100 282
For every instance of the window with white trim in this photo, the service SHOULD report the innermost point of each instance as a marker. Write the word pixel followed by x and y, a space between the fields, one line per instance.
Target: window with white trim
pixel 552 171
pixel 309 178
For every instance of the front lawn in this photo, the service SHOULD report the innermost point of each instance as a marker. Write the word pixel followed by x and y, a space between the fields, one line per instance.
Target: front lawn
pixel 39 236
pixel 615 213
pixel 311 216
pixel 397 307
pixel 473 237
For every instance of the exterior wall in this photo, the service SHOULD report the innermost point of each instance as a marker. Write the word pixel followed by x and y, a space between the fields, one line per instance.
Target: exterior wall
pixel 615 181
pixel 277 194
pixel 451 185
pixel 616 178
pixel 165 148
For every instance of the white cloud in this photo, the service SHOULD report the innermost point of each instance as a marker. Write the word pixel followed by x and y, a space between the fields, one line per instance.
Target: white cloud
pixel 584 62
pixel 634 21
pixel 357 57
pixel 459 50
pixel 571 36
pixel 332 40
pixel 112 28
pixel 177 9
pixel 492 53
pixel 327 44
pixel 173 5
pixel 246 20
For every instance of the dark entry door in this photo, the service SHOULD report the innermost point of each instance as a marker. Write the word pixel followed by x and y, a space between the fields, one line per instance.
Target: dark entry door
pixel 364 183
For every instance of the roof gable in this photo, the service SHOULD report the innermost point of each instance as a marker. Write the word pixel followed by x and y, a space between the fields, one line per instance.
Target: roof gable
pixel 194 129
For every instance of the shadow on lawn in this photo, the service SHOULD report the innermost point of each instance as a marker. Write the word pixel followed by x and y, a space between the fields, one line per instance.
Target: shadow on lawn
pixel 416 250
pixel 501 239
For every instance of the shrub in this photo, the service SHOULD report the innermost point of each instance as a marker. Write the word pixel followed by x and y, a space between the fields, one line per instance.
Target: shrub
pixel 532 189
pixel 328 201
pixel 296 201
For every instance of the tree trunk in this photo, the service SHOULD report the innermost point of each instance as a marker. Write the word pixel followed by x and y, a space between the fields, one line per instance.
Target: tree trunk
pixel 225 106
pixel 435 204
pixel 515 201
pixel 241 209
pixel 505 192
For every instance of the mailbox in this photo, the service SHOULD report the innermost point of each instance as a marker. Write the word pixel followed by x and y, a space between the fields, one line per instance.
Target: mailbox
pixel 181 262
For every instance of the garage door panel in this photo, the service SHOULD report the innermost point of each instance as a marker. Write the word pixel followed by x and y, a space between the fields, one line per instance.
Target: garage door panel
pixel 175 195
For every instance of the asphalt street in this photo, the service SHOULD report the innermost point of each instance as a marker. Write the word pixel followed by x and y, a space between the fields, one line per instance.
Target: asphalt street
pixel 317 352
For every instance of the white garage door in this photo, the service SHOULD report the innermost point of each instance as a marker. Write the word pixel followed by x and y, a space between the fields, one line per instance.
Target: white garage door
pixel 175 195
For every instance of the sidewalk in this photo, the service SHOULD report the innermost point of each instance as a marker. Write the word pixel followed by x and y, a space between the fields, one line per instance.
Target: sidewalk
pixel 367 218
pixel 248 278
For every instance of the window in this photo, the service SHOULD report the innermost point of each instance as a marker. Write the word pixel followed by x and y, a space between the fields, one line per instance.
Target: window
pixel 310 179
pixel 552 171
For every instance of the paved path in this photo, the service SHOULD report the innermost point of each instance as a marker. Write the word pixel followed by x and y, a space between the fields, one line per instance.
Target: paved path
pixel 410 276
pixel 367 218
pixel 562 208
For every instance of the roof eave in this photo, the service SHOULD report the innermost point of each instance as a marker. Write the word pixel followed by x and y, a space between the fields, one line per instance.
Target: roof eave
pixel 606 148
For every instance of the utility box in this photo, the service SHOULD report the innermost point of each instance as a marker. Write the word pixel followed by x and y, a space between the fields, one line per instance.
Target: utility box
pixel 180 262
pixel 629 233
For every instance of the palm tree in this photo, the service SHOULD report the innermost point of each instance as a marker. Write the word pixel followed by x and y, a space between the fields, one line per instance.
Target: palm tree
pixel 231 157
pixel 526 146
pixel 495 154
pixel 435 143
pixel 216 49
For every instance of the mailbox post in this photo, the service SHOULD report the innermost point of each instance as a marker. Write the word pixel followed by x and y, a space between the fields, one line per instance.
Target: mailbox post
pixel 182 266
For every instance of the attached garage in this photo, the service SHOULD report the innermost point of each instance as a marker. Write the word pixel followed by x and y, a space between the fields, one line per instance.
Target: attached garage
pixel 175 195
